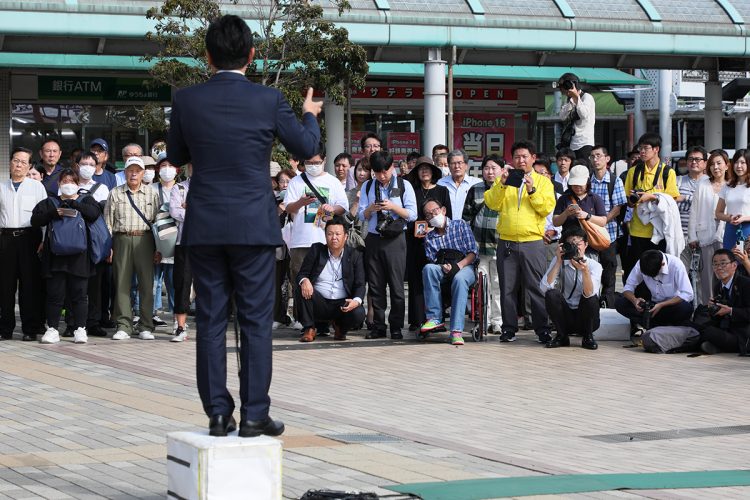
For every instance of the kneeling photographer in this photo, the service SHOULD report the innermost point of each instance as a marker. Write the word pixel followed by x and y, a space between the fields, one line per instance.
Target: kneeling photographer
pixel 723 323
pixel 657 293
pixel 574 306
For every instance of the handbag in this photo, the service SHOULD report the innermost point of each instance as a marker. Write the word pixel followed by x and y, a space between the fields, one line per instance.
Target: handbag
pixel 354 238
pixel 598 236
pixel 169 230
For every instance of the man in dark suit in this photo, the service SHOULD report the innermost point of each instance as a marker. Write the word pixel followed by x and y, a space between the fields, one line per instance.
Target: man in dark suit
pixel 226 128
pixel 729 327
pixel 331 284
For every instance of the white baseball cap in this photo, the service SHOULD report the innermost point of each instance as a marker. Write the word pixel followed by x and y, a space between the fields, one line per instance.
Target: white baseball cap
pixel 135 160
pixel 579 176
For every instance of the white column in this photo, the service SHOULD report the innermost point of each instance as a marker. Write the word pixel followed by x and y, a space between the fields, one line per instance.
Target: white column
pixel 4 124
pixel 556 105
pixel 665 115
pixel 434 100
pixel 712 138
pixel 335 123
pixel 639 117
pixel 740 131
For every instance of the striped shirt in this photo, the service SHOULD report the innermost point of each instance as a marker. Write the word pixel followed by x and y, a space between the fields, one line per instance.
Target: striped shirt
pixel 458 236
pixel 482 219
pixel 601 188
pixel 120 215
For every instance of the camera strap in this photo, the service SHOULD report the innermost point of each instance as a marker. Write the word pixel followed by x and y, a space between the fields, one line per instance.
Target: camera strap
pixel 562 282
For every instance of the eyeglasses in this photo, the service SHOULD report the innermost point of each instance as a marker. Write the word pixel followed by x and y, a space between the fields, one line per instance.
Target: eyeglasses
pixel 456 163
pixel 522 157
pixel 597 156
pixel 695 159
pixel 720 265
pixel 432 213
pixel 645 148
pixel 17 161
pixel 576 242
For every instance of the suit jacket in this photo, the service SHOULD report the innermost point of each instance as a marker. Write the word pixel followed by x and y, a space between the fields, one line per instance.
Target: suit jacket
pixel 739 301
pixel 352 268
pixel 226 128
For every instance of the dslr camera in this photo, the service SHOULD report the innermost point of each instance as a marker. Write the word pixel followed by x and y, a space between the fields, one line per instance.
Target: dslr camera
pixel 570 251
pixel 635 196
pixel 567 84
pixel 713 307
pixel 383 223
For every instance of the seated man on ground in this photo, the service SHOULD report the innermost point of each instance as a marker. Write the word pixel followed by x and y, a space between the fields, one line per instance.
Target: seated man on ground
pixel 574 306
pixel 452 252
pixel 729 327
pixel 331 284
pixel 657 293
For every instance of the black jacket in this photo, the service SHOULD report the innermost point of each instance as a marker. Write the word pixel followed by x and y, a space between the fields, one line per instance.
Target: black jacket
pixel 352 268
pixel 739 301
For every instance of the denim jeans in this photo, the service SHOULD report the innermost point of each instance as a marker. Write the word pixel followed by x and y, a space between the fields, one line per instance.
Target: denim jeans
pixel 432 278
pixel 164 271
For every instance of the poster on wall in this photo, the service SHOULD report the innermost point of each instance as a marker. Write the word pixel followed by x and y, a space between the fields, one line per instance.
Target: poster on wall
pixel 355 146
pixel 400 144
pixel 481 134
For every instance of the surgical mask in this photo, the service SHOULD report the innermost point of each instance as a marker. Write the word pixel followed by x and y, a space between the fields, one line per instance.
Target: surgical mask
pixel 446 171
pixel 167 174
pixel 148 176
pixel 314 169
pixel 438 221
pixel 86 172
pixel 68 189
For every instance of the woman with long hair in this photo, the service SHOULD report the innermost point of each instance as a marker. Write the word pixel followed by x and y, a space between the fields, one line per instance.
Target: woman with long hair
pixel 733 206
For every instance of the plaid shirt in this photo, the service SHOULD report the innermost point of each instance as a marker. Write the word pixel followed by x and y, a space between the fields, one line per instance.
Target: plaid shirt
pixel 119 214
pixel 601 189
pixel 482 219
pixel 457 236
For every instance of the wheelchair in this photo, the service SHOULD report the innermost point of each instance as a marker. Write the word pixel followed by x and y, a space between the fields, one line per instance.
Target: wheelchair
pixel 476 304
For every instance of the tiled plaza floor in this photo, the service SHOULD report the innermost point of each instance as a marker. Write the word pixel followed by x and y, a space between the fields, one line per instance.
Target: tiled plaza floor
pixel 91 421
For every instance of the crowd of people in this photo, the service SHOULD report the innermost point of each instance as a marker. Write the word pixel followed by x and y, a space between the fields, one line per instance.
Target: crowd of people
pixel 545 231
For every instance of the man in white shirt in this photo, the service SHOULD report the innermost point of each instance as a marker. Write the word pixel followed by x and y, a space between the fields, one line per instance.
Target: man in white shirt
pixel 665 300
pixel 310 212
pixel 19 244
pixel 578 114
pixel 574 307
pixel 458 183
pixel 564 160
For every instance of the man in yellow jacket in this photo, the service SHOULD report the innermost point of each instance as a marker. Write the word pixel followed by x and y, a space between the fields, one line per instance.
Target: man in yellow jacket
pixel 521 258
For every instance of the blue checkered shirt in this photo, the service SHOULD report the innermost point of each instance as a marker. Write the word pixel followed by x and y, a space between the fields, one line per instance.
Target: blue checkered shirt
pixel 458 236
pixel 601 189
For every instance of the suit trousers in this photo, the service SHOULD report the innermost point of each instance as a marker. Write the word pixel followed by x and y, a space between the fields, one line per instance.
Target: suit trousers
pixel 583 320
pixel 21 271
pixel 247 272
pixel 133 254
pixel 64 287
pixel 183 280
pixel 522 263
pixel 318 308
pixel 385 259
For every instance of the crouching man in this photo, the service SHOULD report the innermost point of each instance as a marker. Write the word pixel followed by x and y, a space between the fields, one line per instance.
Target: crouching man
pixel 331 284
pixel 451 250
pixel 728 329
pixel 570 287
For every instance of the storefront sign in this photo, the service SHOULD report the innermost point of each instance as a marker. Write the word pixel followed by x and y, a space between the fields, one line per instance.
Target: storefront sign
pixel 73 88
pixel 481 134
pixel 401 144
pixel 417 92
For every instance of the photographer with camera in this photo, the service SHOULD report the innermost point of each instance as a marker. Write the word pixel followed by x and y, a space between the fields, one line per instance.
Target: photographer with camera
pixel 386 204
pixel 574 306
pixel 578 115
pixel 657 293
pixel 727 328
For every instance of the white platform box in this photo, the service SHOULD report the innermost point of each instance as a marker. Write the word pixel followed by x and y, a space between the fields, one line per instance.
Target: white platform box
pixel 612 326
pixel 201 467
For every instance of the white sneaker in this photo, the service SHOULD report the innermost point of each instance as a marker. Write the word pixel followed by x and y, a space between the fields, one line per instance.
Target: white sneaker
pixel 276 325
pixel 80 336
pixel 146 335
pixel 136 319
pixel 120 335
pixel 179 335
pixel 296 325
pixel 51 336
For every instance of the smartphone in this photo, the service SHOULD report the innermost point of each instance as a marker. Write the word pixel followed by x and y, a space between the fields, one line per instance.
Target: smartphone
pixel 68 212
pixel 515 178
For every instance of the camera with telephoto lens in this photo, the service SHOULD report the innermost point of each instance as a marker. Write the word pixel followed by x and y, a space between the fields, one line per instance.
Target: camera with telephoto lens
pixel 647 305
pixel 383 223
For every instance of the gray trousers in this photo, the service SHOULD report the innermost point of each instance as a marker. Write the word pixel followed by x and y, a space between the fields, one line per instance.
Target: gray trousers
pixel 525 263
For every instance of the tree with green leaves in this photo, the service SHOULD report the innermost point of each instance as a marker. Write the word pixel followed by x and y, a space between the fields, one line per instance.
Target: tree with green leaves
pixel 295 48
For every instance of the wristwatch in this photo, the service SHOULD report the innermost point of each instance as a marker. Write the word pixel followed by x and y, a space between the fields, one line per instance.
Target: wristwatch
pixel 533 190
pixel 588 216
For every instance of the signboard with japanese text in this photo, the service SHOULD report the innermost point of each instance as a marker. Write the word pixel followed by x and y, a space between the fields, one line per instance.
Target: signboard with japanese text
pixel 95 88
pixel 355 146
pixel 409 95
pixel 481 134
pixel 400 144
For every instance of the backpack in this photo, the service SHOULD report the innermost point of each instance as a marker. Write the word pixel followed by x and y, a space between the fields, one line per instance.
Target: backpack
pixel 100 240
pixel 67 235
pixel 640 172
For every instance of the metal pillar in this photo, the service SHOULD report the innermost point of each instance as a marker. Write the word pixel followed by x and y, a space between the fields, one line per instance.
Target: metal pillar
pixel 5 124
pixel 556 105
pixel 740 131
pixel 334 117
pixel 712 138
pixel 665 115
pixel 434 100
pixel 639 117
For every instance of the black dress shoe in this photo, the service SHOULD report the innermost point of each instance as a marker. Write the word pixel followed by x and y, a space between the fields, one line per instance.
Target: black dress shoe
pixel 28 338
pixel 559 341
pixel 397 335
pixel 220 426
pixel 589 343
pixel 96 331
pixel 108 323
pixel 267 426
pixel 375 334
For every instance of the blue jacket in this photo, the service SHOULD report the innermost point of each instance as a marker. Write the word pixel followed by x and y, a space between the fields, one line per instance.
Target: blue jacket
pixel 226 128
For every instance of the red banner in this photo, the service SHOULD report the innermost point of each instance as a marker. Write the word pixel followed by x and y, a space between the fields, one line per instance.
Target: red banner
pixel 480 134
pixel 417 92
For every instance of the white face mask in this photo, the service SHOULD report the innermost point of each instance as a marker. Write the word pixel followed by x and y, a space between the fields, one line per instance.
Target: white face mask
pixel 446 171
pixel 438 221
pixel 148 176
pixel 167 174
pixel 86 172
pixel 314 169
pixel 68 189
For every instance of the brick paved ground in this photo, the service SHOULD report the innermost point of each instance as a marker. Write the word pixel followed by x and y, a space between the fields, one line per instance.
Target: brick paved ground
pixel 90 421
